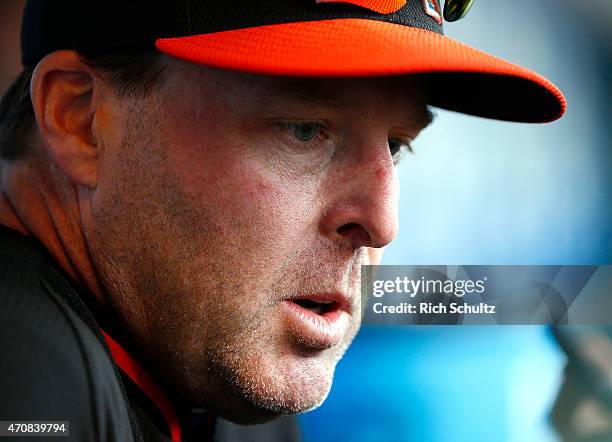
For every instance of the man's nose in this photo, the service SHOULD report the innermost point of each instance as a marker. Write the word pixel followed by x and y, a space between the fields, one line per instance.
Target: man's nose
pixel 364 209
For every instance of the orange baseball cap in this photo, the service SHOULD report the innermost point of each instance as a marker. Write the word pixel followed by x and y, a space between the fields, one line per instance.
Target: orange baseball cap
pixel 313 38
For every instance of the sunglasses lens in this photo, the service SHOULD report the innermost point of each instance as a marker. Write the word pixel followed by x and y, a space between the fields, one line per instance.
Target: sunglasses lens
pixel 456 9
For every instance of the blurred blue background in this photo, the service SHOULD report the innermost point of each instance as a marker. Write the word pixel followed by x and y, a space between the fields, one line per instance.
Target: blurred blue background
pixel 487 192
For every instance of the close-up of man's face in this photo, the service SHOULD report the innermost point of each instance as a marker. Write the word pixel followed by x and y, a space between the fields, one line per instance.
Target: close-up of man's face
pixel 230 218
pixel 229 221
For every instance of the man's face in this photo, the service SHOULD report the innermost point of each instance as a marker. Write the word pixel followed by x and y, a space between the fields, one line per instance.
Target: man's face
pixel 230 220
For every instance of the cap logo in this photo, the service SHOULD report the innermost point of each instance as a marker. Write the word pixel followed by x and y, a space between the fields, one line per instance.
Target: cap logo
pixel 432 8
pixel 380 6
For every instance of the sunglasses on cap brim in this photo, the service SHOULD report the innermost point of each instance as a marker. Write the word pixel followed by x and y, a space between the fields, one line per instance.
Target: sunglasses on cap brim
pixel 456 9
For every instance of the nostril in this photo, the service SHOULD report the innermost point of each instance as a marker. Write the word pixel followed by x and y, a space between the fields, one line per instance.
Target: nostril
pixel 355 234
pixel 346 228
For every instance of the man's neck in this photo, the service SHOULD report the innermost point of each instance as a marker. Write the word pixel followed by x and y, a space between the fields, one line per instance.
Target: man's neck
pixel 33 203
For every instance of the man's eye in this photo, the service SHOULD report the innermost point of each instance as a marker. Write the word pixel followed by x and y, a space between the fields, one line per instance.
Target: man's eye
pixel 397 147
pixel 304 131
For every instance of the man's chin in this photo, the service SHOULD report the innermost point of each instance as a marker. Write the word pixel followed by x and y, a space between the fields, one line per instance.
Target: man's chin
pixel 256 401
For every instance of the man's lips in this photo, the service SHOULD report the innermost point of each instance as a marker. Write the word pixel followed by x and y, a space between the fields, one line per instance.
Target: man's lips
pixel 317 321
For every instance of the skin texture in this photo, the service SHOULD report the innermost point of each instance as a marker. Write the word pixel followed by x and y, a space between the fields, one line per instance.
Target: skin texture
pixel 191 213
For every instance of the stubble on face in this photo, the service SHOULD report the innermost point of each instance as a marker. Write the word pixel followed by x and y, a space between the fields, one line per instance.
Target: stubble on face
pixel 203 307
pixel 198 237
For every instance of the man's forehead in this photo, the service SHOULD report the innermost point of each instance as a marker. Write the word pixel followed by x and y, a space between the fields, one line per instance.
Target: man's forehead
pixel 343 90
pixel 248 90
pixel 407 93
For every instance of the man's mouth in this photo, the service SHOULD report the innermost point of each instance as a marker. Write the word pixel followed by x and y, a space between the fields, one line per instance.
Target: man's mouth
pixel 317 321
pixel 319 308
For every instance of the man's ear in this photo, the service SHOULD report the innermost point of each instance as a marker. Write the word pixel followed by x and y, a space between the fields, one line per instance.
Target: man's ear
pixel 62 91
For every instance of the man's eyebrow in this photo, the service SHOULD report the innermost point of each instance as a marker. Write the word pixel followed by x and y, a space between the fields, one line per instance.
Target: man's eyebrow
pixel 420 121
pixel 306 93
pixel 428 118
pixel 303 93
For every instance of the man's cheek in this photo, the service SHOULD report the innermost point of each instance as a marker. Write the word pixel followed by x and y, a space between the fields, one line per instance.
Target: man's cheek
pixel 286 204
pixel 261 189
